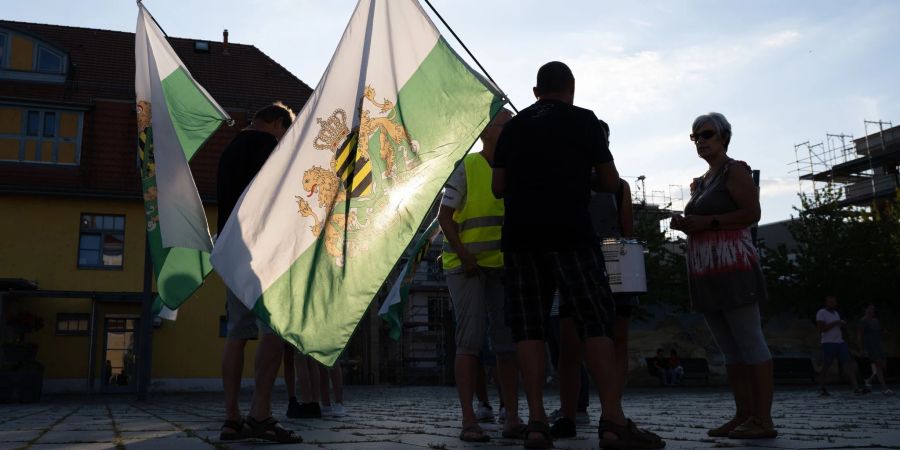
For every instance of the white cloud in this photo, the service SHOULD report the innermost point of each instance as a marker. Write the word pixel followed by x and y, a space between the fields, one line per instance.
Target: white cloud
pixel 866 106
pixel 780 39
pixel 777 187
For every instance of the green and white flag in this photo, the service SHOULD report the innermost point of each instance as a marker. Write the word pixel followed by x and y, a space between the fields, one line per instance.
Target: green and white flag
pixel 392 309
pixel 175 116
pixel 321 226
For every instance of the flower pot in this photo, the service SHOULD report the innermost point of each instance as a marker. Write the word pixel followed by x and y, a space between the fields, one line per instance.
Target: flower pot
pixel 21 383
pixel 19 353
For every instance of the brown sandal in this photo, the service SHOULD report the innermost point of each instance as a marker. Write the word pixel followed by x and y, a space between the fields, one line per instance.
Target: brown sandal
pixel 271 430
pixel 519 431
pixel 754 428
pixel 546 439
pixel 239 431
pixel 628 436
pixel 473 433
pixel 725 428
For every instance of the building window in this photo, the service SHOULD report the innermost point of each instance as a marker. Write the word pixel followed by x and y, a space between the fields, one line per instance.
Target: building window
pixel 49 61
pixel 22 57
pixel 101 243
pixel 73 324
pixel 3 51
pixel 40 136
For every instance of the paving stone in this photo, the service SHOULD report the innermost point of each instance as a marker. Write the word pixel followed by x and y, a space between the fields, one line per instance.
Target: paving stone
pixel 167 443
pixel 18 435
pixel 428 417
pixel 372 446
pixel 144 425
pixel 151 434
pixel 94 446
pixel 65 437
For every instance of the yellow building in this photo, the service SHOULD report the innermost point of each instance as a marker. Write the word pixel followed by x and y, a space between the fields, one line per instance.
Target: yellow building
pixel 72 233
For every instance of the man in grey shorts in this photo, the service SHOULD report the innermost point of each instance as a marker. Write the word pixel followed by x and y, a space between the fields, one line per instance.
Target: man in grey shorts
pixel 238 165
pixel 471 218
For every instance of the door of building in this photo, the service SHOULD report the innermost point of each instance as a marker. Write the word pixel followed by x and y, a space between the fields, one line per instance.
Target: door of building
pixel 120 349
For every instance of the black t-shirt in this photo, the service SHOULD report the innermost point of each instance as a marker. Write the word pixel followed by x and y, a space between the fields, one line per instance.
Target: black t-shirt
pixel 549 151
pixel 240 162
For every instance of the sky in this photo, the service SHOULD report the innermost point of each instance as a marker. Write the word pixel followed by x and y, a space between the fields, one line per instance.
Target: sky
pixel 782 71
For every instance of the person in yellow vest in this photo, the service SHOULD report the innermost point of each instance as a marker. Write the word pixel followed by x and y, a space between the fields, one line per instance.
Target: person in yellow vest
pixel 471 218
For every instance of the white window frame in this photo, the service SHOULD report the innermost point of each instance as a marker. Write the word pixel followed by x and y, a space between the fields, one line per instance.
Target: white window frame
pixel 40 139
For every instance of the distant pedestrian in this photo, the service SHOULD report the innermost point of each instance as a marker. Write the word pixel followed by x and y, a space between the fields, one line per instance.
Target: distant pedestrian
pixel 675 372
pixel 661 364
pixel 829 322
pixel 870 345
pixel 334 377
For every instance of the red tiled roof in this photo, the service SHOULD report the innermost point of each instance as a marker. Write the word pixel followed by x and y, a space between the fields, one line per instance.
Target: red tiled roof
pixel 101 78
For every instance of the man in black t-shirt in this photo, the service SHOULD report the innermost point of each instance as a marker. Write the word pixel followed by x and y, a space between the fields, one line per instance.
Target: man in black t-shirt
pixel 238 165
pixel 548 159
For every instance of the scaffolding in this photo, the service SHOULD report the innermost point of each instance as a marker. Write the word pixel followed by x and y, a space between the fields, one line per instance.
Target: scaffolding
pixel 858 170
pixel 659 202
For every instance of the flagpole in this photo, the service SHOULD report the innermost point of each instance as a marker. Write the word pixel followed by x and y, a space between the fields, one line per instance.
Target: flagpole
pixel 141 5
pixel 483 70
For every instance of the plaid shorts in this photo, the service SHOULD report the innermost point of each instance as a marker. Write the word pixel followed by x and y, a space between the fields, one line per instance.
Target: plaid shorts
pixel 580 276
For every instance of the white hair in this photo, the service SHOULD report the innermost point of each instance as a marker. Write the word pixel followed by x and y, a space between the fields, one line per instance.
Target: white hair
pixel 718 121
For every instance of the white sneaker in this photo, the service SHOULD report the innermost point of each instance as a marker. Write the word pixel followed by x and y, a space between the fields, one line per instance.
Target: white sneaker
pixel 327 411
pixel 338 410
pixel 501 417
pixel 555 415
pixel 484 413
pixel 583 418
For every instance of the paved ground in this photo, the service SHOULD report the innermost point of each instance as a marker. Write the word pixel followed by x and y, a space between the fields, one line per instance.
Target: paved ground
pixel 426 417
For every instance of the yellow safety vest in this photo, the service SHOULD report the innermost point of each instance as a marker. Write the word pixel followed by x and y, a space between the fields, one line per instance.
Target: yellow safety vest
pixel 480 218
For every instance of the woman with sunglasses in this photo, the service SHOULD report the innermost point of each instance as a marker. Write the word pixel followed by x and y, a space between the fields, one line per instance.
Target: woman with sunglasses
pixel 726 280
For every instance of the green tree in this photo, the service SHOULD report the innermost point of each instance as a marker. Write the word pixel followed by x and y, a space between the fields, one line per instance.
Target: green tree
pixel 664 263
pixel 850 252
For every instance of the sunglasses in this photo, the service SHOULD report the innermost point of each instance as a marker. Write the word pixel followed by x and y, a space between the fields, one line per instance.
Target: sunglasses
pixel 705 134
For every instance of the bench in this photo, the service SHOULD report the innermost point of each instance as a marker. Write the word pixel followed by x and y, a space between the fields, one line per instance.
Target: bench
pixel 654 372
pixel 794 368
pixel 694 368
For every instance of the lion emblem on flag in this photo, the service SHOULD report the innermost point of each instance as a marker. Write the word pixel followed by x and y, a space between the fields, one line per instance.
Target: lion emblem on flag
pixel 355 182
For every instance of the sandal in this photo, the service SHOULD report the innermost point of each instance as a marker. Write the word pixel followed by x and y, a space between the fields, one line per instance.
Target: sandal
pixel 271 430
pixel 724 429
pixel 545 441
pixel 238 432
pixel 754 428
pixel 473 433
pixel 628 436
pixel 519 431
pixel 642 433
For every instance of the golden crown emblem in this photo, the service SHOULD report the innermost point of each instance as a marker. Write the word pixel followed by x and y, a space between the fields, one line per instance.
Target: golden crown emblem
pixel 333 131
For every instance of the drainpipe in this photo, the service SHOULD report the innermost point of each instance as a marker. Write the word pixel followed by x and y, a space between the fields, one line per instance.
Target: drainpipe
pixel 92 346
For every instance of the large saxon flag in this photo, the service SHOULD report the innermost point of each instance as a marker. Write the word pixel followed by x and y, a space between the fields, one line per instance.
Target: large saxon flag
pixel 320 228
pixel 175 116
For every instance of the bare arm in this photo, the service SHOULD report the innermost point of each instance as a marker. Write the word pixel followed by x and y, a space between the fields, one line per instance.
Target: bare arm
pixel 606 177
pixel 626 212
pixel 745 194
pixel 498 182
pixel 823 327
pixel 451 233
pixel 859 340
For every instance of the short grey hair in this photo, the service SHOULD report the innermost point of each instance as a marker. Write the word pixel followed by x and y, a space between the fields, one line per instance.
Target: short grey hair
pixel 718 121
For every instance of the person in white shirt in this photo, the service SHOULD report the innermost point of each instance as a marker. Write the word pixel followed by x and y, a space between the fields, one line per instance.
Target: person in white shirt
pixel 829 323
